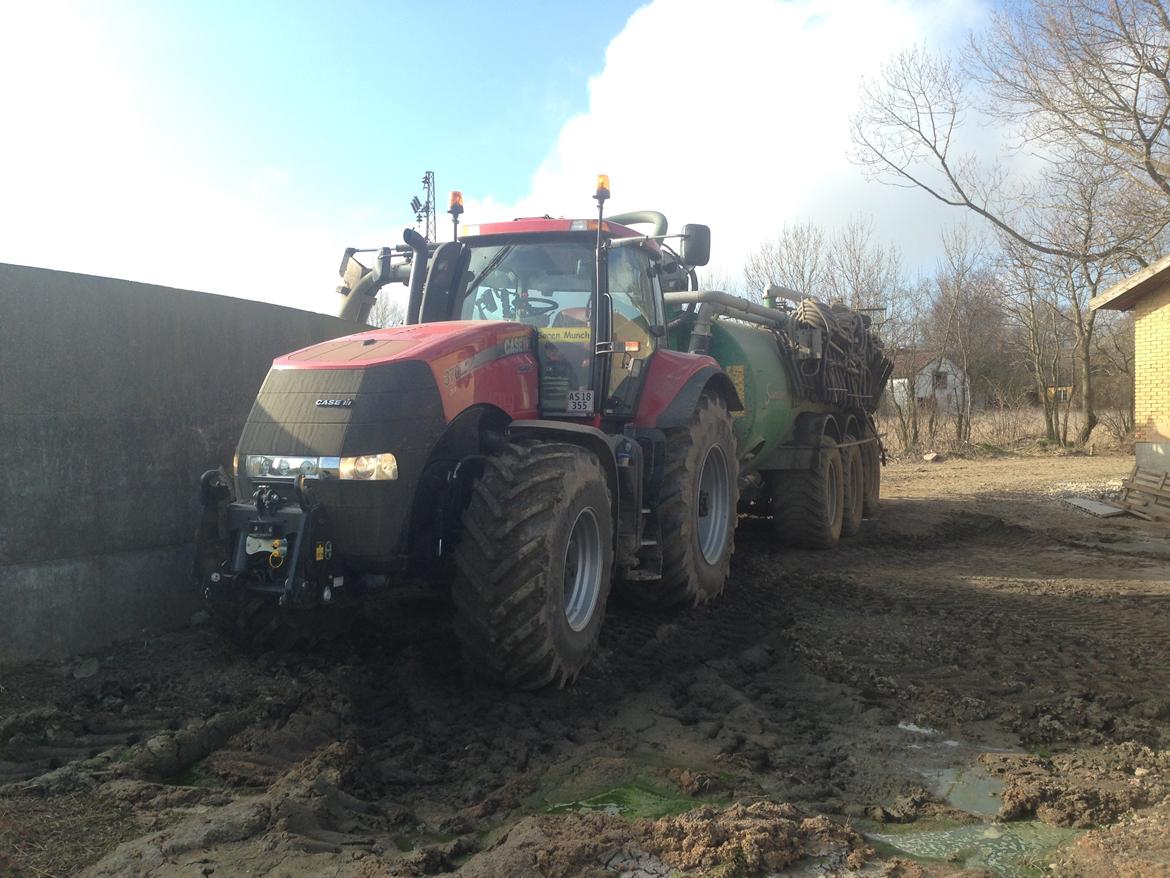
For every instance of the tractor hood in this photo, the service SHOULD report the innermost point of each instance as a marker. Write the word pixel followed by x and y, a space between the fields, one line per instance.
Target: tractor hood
pixel 428 342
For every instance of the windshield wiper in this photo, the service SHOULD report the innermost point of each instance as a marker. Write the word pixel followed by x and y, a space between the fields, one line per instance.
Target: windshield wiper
pixel 490 267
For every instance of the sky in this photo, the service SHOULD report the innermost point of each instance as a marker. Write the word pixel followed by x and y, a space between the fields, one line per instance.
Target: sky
pixel 239 147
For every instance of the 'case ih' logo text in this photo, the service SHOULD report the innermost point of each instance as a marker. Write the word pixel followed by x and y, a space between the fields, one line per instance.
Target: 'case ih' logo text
pixel 334 403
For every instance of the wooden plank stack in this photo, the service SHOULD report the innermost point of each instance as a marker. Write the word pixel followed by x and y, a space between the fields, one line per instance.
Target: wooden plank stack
pixel 1146 494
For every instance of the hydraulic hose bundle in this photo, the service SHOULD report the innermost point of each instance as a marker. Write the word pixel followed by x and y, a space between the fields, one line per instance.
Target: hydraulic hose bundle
pixel 836 359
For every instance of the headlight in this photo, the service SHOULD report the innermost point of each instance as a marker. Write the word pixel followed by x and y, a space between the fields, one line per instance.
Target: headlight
pixel 370 467
pixel 366 467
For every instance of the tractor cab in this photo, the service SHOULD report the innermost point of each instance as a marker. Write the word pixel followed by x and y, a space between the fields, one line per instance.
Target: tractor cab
pixel 592 345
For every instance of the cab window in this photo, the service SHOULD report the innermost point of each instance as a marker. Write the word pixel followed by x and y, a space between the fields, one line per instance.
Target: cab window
pixel 631 287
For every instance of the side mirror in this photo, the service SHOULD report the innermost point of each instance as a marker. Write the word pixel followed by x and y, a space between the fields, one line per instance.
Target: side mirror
pixel 696 245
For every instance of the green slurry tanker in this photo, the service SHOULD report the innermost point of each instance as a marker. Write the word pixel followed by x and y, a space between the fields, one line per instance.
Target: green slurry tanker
pixel 563 413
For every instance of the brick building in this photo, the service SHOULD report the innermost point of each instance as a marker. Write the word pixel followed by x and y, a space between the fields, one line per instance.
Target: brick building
pixel 1147 295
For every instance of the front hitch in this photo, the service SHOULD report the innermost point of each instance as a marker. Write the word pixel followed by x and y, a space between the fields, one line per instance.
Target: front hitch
pixel 215 493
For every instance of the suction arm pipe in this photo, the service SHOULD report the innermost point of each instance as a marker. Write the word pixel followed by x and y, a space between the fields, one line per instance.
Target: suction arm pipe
pixel 658 220
pixel 713 303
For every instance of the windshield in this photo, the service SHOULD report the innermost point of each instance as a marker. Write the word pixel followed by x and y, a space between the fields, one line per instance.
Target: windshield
pixel 549 286
pixel 539 284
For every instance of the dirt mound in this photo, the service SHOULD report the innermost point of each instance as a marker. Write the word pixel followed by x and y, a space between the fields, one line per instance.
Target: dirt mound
pixel 1081 789
pixel 735 842
pixel 1138 846
pixel 746 840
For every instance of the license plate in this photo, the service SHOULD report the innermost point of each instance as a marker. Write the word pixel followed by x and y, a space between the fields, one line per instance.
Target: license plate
pixel 580 402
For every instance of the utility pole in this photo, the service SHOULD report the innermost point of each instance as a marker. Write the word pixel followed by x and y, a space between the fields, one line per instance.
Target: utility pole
pixel 424 211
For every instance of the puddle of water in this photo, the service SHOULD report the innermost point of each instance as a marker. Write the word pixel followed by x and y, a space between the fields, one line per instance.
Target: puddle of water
pixel 918 730
pixel 1015 850
pixel 967 789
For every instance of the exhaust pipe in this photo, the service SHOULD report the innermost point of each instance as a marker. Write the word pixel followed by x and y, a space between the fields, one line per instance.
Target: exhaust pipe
pixel 418 273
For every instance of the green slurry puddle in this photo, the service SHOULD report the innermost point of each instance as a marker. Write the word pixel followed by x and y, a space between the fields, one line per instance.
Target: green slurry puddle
pixel 968 789
pixel 637 799
pixel 1010 850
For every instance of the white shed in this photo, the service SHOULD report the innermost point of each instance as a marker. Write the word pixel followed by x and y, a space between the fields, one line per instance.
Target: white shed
pixel 939 380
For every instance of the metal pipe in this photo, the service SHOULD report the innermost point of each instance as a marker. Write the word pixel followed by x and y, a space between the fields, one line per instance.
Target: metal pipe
pixel 418 273
pixel 713 303
pixel 737 307
pixel 358 301
pixel 642 216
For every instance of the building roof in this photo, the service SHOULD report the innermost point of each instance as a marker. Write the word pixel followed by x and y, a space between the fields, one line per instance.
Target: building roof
pixel 908 360
pixel 1124 295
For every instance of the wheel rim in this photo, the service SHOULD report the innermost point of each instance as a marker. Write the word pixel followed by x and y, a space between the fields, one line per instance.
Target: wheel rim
pixel 713 505
pixel 832 487
pixel 582 569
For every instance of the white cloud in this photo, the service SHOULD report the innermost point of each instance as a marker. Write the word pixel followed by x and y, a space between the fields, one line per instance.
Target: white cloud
pixel 736 114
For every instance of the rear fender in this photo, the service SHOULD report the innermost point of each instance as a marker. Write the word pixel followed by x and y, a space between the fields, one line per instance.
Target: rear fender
pixel 811 429
pixel 852 428
pixel 673 384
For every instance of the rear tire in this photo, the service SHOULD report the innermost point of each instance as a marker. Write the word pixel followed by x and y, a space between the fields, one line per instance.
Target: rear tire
pixel 871 462
pixel 808 505
pixel 697 510
pixel 534 565
pixel 854 470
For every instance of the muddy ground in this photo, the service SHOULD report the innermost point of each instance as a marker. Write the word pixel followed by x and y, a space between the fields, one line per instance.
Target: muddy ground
pixel 979 683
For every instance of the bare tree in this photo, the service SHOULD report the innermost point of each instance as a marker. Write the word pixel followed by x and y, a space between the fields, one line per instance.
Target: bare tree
pixel 963 325
pixel 906 133
pixel 795 258
pixel 387 311
pixel 1091 74
pixel 1024 302
pixel 861 271
pixel 1086 84
pixel 718 279
pixel 1114 363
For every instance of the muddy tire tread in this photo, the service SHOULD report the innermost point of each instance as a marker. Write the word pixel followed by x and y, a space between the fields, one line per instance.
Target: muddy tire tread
pixel 800 504
pixel 681 583
pixel 853 468
pixel 499 624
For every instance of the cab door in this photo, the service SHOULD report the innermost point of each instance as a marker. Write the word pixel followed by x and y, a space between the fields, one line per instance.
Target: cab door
pixel 631 288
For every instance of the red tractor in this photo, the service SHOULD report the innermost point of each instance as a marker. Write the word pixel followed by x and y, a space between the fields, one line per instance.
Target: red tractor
pixel 527 437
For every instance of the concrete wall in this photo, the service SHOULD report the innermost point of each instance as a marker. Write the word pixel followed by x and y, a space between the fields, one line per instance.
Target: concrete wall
pixel 114 397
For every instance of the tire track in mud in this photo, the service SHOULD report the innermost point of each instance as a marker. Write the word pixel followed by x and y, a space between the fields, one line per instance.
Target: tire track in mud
pixel 777 689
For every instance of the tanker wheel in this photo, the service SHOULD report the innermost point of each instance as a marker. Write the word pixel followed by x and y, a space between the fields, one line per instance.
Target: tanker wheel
pixel 697 510
pixel 854 469
pixel 533 567
pixel 871 461
pixel 808 505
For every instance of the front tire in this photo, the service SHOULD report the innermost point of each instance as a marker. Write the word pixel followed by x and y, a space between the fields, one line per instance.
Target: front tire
pixel 534 565
pixel 697 510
